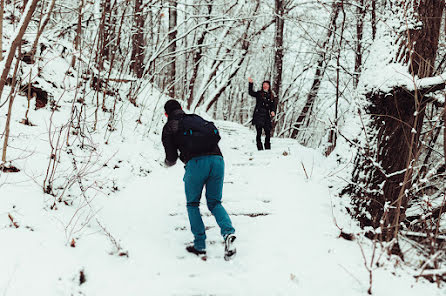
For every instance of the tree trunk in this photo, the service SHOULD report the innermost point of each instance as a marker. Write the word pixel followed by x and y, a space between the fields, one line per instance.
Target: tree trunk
pixel 104 36
pixel 333 134
pixel 373 19
pixel 360 14
pixel 11 102
pixel 444 131
pixel 6 65
pixel 171 69
pixel 78 32
pixel 2 7
pixel 382 176
pixel 137 60
pixel 278 52
pixel 320 70
pixel 41 28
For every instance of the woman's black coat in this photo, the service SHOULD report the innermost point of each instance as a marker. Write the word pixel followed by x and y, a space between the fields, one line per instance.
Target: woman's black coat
pixel 265 104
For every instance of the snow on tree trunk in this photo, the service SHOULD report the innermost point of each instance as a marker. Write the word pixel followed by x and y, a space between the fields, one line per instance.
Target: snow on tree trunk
pixel 278 52
pixel 137 59
pixel 360 15
pixel 394 101
pixel 171 69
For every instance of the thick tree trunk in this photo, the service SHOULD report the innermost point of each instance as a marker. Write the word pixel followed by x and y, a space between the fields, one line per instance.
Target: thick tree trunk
pixel 278 52
pixel 383 173
pixel 138 46
pixel 104 35
pixel 171 69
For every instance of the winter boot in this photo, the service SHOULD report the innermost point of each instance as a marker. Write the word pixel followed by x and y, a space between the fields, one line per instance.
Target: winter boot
pixel 259 146
pixel 230 249
pixel 267 145
pixel 191 249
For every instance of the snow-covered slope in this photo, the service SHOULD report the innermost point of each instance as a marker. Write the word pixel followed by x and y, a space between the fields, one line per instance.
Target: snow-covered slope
pixel 130 238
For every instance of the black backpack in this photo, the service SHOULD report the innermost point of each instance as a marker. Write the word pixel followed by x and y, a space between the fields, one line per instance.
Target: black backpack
pixel 197 135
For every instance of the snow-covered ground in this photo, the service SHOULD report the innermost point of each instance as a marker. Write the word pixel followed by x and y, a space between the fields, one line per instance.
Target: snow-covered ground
pixel 279 200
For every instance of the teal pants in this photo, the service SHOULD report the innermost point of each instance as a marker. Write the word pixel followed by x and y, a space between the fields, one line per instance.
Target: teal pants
pixel 205 171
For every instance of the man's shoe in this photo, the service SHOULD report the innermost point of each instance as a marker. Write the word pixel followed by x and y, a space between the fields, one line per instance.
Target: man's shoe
pixel 191 249
pixel 230 249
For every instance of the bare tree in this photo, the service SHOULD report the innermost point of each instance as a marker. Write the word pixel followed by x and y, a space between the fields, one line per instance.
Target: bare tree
pixel 42 28
pixel 29 10
pixel 320 70
pixel 198 55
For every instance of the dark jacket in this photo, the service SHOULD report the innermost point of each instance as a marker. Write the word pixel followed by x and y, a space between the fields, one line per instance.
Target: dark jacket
pixel 170 139
pixel 265 104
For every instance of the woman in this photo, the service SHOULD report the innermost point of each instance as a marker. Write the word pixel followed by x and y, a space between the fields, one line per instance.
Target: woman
pixel 265 109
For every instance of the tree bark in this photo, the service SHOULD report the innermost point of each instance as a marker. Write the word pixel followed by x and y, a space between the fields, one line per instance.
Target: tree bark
pixel 171 69
pixel 2 7
pixel 78 32
pixel 6 65
pixel 11 102
pixel 104 35
pixel 444 131
pixel 360 14
pixel 382 177
pixel 373 19
pixel 278 52
pixel 137 59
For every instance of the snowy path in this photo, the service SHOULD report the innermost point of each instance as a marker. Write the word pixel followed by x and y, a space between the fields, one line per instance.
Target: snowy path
pixel 287 242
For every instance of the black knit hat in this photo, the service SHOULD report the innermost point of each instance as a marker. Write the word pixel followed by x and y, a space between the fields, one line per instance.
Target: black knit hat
pixel 171 105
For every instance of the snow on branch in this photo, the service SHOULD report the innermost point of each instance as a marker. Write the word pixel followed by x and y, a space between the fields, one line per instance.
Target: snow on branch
pixel 429 84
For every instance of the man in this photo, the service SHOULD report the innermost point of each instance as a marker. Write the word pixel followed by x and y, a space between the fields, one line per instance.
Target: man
pixel 204 168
